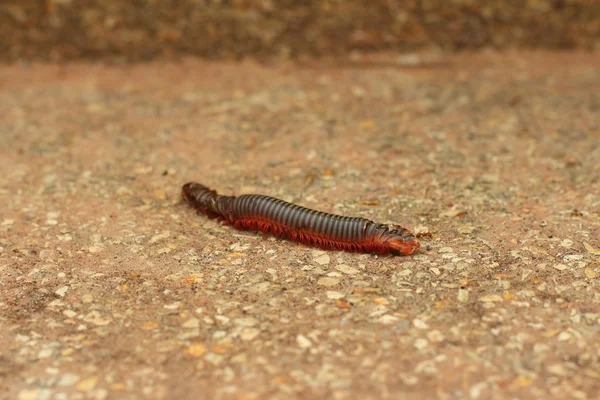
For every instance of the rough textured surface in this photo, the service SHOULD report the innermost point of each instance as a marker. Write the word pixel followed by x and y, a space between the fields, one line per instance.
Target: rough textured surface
pixel 111 288
pixel 118 30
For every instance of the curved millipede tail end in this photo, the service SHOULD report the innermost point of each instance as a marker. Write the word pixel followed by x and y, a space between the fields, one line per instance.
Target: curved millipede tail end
pixel 185 190
pixel 201 198
pixel 187 195
pixel 190 190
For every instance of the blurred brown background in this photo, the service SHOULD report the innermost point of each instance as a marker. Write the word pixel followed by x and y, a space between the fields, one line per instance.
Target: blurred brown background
pixel 138 30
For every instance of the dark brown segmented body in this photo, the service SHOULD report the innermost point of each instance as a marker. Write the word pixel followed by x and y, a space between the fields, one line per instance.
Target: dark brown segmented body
pixel 295 222
pixel 300 218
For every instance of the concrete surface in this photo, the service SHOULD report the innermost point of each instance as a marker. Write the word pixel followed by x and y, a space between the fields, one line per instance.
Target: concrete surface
pixel 112 288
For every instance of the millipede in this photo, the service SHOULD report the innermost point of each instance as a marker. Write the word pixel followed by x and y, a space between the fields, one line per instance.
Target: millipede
pixel 314 228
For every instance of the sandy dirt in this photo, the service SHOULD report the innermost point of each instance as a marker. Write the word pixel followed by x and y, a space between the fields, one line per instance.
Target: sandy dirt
pixel 110 287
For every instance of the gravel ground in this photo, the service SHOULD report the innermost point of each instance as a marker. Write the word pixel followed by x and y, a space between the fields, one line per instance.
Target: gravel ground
pixel 110 287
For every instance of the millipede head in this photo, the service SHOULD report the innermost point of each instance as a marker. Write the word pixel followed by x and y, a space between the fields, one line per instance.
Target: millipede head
pixel 401 240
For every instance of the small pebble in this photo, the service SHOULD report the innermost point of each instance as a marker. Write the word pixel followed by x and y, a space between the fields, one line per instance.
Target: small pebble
pixel 191 323
pixel 322 259
pixel 462 295
pixel 347 269
pixel 328 281
pixel 333 295
pixel 62 291
pixel 303 341
pixel 249 334
pixel 420 324
pixel 68 380
pixel 420 344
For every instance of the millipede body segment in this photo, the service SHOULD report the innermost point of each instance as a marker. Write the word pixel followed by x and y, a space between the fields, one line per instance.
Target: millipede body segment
pixel 316 228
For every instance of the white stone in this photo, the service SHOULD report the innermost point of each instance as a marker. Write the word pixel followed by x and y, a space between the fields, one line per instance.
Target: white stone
pixel 68 380
pixel 420 324
pixel 328 281
pixel 249 334
pixel 420 343
pixel 322 259
pixel 346 269
pixel 303 341
pixel 191 323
